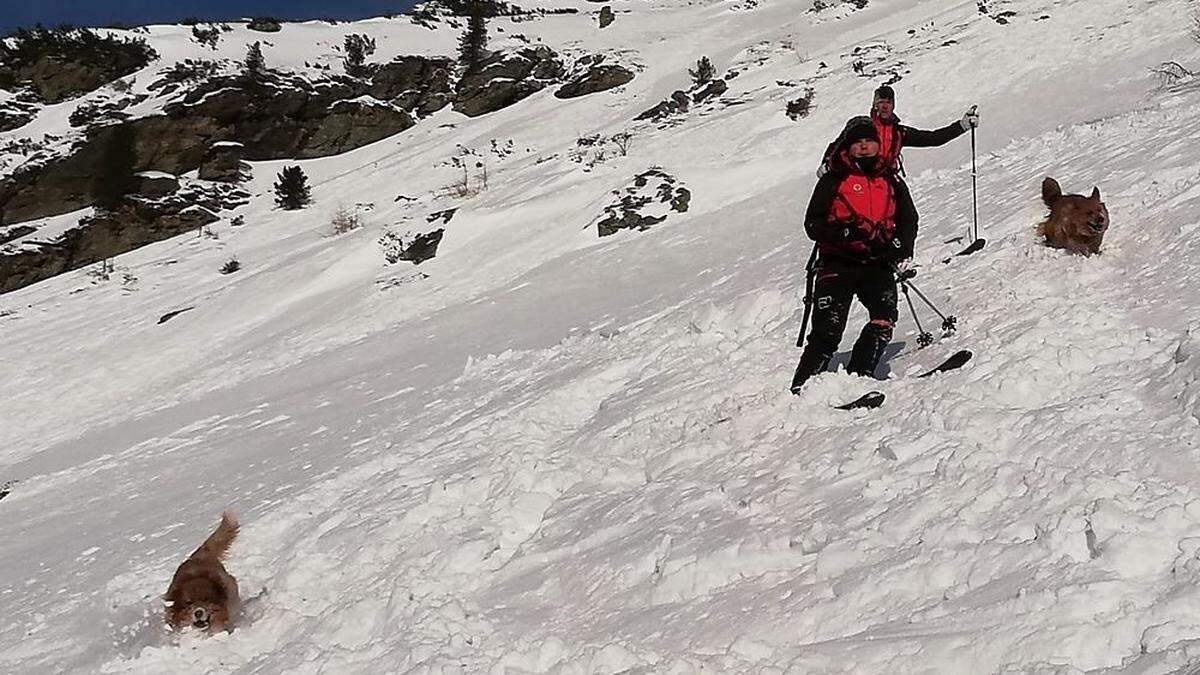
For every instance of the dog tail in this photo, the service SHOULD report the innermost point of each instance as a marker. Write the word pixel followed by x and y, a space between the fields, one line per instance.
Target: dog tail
pixel 219 541
pixel 1050 191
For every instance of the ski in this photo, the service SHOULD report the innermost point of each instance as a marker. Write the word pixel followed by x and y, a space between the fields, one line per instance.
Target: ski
pixel 957 360
pixel 871 399
pixel 971 248
pixel 975 246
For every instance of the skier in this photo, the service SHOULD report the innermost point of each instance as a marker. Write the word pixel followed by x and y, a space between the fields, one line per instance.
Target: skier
pixel 894 136
pixel 862 217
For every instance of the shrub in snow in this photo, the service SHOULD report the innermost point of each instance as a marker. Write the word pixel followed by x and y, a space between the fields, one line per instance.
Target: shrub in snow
pixel 255 64
pixel 183 72
pixel 291 189
pixel 207 36
pixel 821 5
pixel 102 272
pixel 345 219
pixel 800 106
pixel 703 72
pixel 358 48
pixel 621 140
pixel 264 24
pixel 392 245
pixel 472 45
pixel 232 265
pixel 595 149
pixel 470 183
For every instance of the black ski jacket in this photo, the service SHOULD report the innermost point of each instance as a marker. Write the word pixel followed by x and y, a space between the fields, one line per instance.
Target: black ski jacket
pixel 904 136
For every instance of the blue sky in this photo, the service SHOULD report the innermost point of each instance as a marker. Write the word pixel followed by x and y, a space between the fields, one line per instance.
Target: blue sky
pixel 17 13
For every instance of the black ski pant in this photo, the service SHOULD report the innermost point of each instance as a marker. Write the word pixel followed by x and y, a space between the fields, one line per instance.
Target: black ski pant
pixel 835 287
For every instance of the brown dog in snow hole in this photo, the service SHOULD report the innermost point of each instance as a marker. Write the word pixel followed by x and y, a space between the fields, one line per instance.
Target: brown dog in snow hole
pixel 1076 223
pixel 203 595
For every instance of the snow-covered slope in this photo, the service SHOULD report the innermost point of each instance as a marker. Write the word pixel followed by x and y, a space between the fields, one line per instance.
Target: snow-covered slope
pixel 546 452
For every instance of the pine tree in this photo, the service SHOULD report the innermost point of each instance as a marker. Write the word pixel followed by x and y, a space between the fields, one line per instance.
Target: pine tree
pixel 358 48
pixel 114 176
pixel 291 189
pixel 703 72
pixel 255 64
pixel 472 45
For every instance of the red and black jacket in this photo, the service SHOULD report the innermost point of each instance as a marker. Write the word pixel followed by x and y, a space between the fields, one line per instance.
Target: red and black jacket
pixel 861 217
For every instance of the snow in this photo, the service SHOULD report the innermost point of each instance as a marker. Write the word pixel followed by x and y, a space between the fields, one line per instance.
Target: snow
pixel 543 451
pixel 46 229
pixel 364 100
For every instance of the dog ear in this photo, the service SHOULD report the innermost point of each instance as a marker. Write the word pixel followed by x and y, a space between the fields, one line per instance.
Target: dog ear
pixel 1050 191
pixel 1095 194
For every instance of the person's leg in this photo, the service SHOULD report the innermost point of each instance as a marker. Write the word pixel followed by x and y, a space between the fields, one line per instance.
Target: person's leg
pixel 877 292
pixel 832 292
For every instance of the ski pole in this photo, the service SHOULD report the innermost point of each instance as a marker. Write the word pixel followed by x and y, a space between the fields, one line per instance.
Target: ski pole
pixel 949 323
pixel 925 299
pixel 974 180
pixel 809 275
pixel 924 338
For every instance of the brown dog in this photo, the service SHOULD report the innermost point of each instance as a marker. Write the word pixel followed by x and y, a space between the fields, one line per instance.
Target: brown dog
pixel 202 594
pixel 1076 223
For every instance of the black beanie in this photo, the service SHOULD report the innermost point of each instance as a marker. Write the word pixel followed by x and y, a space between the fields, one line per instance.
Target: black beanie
pixel 884 93
pixel 859 128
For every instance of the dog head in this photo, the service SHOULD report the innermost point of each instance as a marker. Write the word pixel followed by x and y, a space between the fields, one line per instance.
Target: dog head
pixel 201 603
pixel 1076 223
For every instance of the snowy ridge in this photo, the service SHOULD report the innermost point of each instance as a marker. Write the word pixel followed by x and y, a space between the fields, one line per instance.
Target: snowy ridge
pixel 559 453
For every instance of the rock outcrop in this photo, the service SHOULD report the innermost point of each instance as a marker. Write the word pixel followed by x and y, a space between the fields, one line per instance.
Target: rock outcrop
pixel 653 196
pixel 140 220
pixel 223 162
pixel 353 124
pixel 419 84
pixel 592 75
pixel 15 113
pixel 154 184
pixel 507 77
pixel 606 16
pixel 712 89
pixel 281 119
pixel 410 248
pixel 59 64
pixel 678 103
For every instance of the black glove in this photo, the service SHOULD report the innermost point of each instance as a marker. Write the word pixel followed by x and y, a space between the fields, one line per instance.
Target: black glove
pixel 854 230
pixel 885 248
pixel 838 230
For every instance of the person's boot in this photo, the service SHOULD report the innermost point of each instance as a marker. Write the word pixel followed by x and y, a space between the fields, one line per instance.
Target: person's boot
pixel 811 363
pixel 869 348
